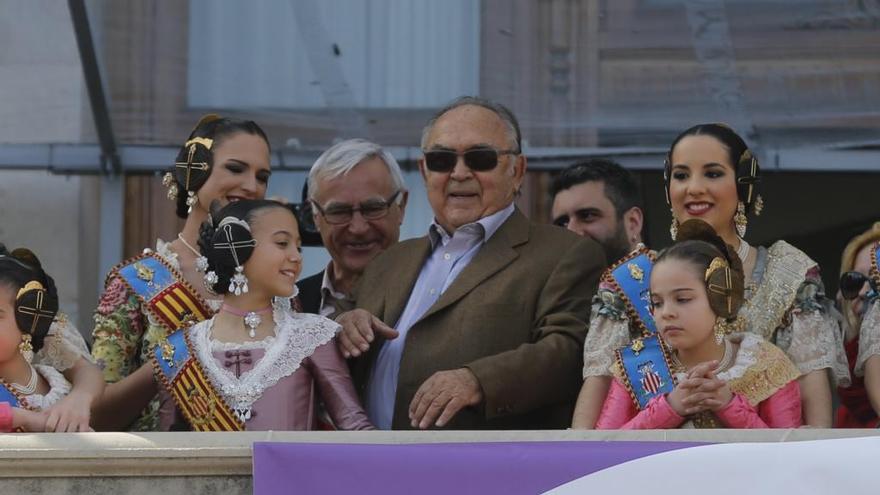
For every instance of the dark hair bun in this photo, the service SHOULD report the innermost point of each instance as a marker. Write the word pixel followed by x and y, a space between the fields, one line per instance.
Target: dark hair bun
pixel 226 240
pixel 36 306
pixel 725 285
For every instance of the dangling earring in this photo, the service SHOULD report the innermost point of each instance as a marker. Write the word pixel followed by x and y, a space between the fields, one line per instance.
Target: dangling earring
pixel 720 329
pixel 171 185
pixel 740 219
pixel 25 348
pixel 673 228
pixel 210 279
pixel 238 284
pixel 191 201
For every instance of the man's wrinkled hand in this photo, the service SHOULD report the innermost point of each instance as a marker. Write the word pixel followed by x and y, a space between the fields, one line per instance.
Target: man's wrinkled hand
pixel 442 396
pixel 359 329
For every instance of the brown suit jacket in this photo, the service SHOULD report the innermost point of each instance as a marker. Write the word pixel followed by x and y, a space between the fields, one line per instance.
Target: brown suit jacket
pixel 516 316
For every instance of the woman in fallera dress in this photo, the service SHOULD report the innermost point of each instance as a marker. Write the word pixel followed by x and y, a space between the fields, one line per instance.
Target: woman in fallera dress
pixel 711 175
pixel 151 295
pixel 859 285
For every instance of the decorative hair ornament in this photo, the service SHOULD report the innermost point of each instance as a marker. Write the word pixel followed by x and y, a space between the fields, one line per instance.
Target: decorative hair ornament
pixel 192 167
pixel 720 281
pixel 726 281
pixel 35 310
pixel 238 284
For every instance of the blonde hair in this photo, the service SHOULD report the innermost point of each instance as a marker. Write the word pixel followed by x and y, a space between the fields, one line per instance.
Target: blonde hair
pixel 848 262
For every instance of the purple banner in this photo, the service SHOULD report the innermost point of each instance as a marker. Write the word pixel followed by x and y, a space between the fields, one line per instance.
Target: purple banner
pixel 459 468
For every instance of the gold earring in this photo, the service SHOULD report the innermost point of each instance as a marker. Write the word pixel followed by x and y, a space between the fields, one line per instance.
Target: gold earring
pixel 171 185
pixel 740 219
pixel 720 329
pixel 26 348
pixel 673 227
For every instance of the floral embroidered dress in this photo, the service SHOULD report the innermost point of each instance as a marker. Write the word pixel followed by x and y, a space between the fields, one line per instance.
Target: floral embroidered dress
pixel 126 332
pixel 761 377
pixel 274 384
pixel 785 304
pixel 869 337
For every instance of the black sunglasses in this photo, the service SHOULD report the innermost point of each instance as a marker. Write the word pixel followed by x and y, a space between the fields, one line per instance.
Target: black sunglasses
pixel 477 159
pixel 851 284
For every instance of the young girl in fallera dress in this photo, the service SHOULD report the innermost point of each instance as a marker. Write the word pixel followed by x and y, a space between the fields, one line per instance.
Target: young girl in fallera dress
pixel 256 364
pixel 28 307
pixel 706 371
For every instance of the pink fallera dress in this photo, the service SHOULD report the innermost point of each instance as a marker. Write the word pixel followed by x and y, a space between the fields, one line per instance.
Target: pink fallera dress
pixel 279 380
pixel 765 394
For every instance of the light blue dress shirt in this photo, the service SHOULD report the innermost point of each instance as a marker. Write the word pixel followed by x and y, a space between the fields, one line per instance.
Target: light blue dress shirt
pixel 450 255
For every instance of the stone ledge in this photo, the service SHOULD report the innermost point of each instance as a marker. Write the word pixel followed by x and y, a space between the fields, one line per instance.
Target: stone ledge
pixel 227 455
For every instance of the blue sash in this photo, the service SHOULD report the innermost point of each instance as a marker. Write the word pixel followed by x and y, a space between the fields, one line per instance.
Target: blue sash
pixel 7 395
pixel 645 368
pixel 631 277
pixel 163 291
pixel 171 354
pixel 146 276
pixel 188 384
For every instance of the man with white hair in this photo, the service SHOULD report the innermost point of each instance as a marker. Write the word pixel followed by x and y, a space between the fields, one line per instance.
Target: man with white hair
pixel 358 199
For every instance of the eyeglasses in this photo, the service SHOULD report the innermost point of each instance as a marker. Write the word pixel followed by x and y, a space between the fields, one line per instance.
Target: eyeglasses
pixel 851 284
pixel 477 159
pixel 341 214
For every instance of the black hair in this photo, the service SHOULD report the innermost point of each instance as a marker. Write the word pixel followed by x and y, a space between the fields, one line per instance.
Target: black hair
pixel 504 113
pixel 217 129
pixel 19 267
pixel 620 185
pixel 732 141
pixel 221 261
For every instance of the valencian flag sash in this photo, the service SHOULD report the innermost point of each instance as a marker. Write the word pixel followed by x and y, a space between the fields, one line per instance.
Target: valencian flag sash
pixel 8 394
pixel 164 292
pixel 182 375
pixel 645 370
pixel 630 277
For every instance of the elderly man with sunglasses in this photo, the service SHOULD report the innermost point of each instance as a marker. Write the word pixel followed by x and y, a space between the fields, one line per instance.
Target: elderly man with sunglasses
pixel 358 199
pixel 480 324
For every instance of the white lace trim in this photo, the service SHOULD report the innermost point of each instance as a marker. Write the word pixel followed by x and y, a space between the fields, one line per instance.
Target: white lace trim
pixel 746 355
pixel 297 335
pixel 216 345
pixel 814 342
pixel 869 337
pixel 59 387
pixel 63 346
pixel 748 345
pixel 604 337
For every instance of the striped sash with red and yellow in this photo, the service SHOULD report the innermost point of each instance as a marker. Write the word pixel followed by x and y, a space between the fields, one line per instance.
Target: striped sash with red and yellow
pixel 182 375
pixel 163 290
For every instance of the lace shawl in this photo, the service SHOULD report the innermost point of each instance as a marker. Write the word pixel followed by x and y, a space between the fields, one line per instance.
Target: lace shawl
pixel 297 335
